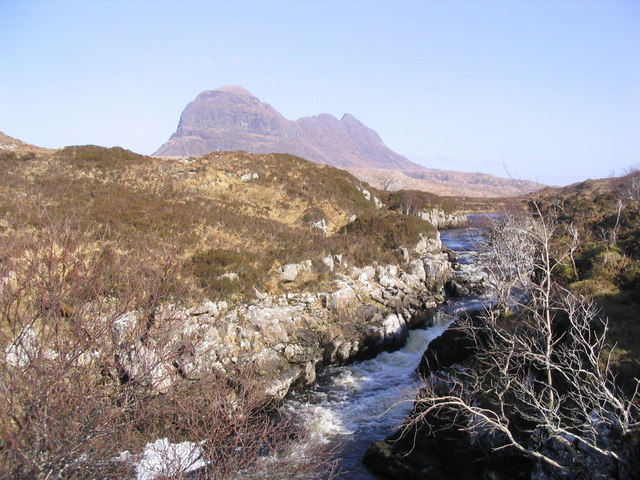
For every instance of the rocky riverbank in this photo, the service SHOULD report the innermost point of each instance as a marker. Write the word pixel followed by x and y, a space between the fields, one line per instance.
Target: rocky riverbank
pixel 440 219
pixel 451 434
pixel 433 448
pixel 287 337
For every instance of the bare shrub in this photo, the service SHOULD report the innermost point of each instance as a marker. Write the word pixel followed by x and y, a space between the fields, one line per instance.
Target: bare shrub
pixel 90 368
pixel 539 383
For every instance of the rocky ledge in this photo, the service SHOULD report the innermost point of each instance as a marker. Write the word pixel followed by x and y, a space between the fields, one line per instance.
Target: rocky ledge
pixel 440 219
pixel 287 337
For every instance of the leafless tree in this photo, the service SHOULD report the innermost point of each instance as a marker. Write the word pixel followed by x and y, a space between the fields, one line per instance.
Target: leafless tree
pixel 539 383
pixel 573 245
pixel 387 182
pixel 627 192
pixel 633 191
pixel 508 251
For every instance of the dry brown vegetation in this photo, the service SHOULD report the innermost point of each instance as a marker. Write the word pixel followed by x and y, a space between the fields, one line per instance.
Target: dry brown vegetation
pixel 71 317
pixel 89 235
pixel 228 212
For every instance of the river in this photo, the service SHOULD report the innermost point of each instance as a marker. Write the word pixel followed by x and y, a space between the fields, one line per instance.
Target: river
pixel 356 405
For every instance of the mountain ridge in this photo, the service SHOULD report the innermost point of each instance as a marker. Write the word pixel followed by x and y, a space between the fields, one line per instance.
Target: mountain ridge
pixel 231 118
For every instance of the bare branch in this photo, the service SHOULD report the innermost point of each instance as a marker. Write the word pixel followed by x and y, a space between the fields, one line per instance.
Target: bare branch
pixel 538 382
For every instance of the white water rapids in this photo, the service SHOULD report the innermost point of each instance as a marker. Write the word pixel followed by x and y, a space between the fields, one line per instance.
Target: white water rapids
pixel 350 406
pixel 356 405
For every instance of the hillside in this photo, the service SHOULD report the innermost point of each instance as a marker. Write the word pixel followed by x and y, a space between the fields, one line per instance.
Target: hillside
pixel 230 212
pixel 446 182
pixel 606 266
pixel 18 147
pixel 231 118
pixel 143 299
pixel 604 210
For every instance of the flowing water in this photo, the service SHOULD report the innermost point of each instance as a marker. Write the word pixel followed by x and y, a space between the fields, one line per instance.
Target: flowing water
pixel 358 404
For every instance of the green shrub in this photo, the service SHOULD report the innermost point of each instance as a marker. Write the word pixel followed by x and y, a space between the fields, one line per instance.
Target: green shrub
pixel 565 273
pixel 411 201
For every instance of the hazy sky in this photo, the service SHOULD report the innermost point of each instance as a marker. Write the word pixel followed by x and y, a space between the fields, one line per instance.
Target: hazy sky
pixel 549 89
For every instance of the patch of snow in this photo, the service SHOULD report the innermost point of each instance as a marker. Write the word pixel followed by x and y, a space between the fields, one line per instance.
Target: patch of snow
pixel 168 459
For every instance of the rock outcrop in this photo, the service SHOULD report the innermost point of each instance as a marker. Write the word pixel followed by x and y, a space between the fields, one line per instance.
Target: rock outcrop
pixel 440 219
pixel 435 446
pixel 454 346
pixel 287 337
pixel 434 449
pixel 468 279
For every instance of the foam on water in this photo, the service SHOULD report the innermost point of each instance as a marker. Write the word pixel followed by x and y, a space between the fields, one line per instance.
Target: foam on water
pixel 365 401
pixel 359 404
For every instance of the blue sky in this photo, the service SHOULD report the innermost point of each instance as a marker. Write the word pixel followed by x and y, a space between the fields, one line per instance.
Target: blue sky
pixel 537 90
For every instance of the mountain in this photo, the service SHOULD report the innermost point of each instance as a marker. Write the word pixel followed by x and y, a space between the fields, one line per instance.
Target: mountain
pixel 446 182
pixel 232 118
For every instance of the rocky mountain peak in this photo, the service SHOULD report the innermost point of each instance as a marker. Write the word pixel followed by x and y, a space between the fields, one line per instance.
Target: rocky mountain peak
pixel 347 117
pixel 235 90
pixel 232 118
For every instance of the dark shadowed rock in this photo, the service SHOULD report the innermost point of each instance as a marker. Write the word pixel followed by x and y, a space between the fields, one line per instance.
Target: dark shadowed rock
pixel 425 454
pixel 439 447
pixel 455 345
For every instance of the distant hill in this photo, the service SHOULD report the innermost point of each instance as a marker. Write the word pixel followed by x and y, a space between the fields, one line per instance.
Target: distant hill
pixel 446 182
pixel 231 118
pixel 10 144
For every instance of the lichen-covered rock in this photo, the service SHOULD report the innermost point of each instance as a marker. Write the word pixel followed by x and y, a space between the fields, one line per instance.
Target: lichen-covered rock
pixel 289 272
pixel 321 225
pixel 467 280
pixel 146 366
pixel 329 262
pixel 395 329
pixel 341 300
pixel 23 349
pixel 427 245
pixel 437 271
